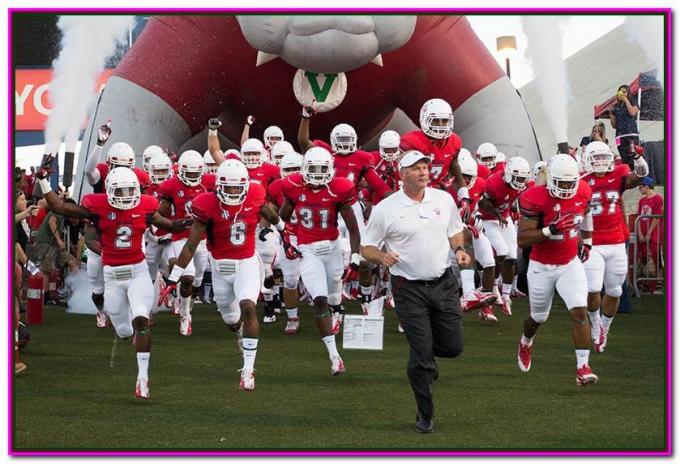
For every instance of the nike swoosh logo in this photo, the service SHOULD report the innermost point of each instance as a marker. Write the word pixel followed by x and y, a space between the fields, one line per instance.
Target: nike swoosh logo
pixel 247 209
pixel 611 180
pixel 578 203
pixel 351 164
pixel 136 215
pixel 325 199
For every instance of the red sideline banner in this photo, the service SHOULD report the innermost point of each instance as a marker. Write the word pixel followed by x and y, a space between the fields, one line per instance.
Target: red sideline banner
pixel 31 97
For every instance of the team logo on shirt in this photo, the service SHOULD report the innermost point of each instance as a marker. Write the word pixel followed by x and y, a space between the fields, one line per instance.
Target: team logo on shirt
pixel 557 207
pixel 437 211
pixel 111 216
pixel 225 215
pixel 303 197
pixel 180 193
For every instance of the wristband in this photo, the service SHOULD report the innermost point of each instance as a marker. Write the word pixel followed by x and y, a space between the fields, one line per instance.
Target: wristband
pixel 44 186
pixel 588 241
pixel 212 132
pixel 280 225
pixel 355 259
pixel 546 232
pixel 463 193
pixel 176 273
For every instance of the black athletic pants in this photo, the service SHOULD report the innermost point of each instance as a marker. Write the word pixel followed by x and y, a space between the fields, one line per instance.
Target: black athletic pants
pixel 429 312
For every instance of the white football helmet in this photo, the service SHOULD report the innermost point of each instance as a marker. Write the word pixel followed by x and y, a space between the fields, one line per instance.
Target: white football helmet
pixel 252 153
pixel 280 150
pixel 436 118
pixel 191 167
pixel 272 135
pixel 598 158
pixel 501 158
pixel 160 167
pixel 290 163
pixel 209 162
pixel 232 183
pixel 486 155
pixel 563 176
pixel 388 144
pixel 539 167
pixel 317 166
pixel 468 166
pixel 147 154
pixel 122 188
pixel 120 155
pixel 517 172
pixel 344 139
pixel 231 153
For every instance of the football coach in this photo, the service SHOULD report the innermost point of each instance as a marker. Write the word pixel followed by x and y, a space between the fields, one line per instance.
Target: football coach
pixel 416 227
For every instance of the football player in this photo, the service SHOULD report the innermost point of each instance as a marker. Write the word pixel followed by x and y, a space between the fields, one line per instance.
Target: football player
pixel 229 217
pixel 121 217
pixel 317 196
pixel 608 262
pixel 552 217
pixel 159 170
pixel 486 159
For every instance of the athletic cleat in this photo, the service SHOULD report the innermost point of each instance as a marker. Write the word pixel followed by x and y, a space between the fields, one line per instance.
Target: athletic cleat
pixel 524 356
pixel 175 305
pixel 364 308
pixel 142 389
pixel 400 329
pixel 601 344
pixel 185 325
pixel 474 299
pixel 390 301
pixel 277 310
pixel 585 376
pixel 355 294
pixel 516 293
pixel 102 319
pixel 292 326
pixel 336 322
pixel 337 366
pixel 486 314
pixel 247 382
pixel 269 319
pixel 505 305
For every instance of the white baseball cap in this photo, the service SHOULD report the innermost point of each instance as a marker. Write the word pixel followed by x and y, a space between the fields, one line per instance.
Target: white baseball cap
pixel 412 157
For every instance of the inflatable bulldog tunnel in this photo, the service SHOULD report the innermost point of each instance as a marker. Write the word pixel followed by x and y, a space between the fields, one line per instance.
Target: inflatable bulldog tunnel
pixel 373 72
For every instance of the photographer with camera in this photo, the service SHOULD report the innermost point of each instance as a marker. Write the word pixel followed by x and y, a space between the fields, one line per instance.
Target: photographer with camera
pixel 623 119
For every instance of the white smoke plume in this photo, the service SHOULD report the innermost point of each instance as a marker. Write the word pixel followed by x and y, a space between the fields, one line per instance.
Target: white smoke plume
pixel 80 301
pixel 648 32
pixel 87 41
pixel 544 51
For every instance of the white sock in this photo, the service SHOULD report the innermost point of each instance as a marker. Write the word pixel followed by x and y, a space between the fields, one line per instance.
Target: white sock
pixel 330 346
pixel 249 353
pixel 292 312
pixel 268 296
pixel 367 290
pixel 527 341
pixel 468 278
pixel 582 358
pixel 514 283
pixel 185 304
pixel 143 365
pixel 595 321
pixel 506 289
pixel 607 322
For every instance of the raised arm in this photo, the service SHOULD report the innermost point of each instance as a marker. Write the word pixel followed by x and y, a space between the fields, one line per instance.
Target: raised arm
pixel 245 135
pixel 303 130
pixel 91 171
pixel 58 206
pixel 214 141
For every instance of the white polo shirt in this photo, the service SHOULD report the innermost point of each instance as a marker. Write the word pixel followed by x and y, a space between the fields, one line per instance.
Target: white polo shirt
pixel 418 232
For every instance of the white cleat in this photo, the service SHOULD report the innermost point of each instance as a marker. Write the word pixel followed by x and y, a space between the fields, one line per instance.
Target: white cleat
pixel 185 325
pixel 102 319
pixel 269 319
pixel 247 382
pixel 142 389
pixel 292 326
pixel 337 366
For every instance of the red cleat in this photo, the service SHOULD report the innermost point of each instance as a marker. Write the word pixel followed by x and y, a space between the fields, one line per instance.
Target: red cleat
pixel 585 376
pixel 524 356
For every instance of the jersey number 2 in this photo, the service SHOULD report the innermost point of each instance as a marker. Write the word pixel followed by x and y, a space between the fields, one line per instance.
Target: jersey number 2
pixel 124 237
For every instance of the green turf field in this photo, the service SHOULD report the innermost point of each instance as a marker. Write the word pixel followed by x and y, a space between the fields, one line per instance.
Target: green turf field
pixel 71 398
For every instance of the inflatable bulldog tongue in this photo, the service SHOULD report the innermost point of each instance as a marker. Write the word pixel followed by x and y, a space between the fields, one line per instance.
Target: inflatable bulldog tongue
pixel 368 71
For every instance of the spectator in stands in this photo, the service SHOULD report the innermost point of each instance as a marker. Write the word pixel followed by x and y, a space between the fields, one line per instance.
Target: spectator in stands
pixel 22 230
pixel 598 132
pixel 649 229
pixel 623 119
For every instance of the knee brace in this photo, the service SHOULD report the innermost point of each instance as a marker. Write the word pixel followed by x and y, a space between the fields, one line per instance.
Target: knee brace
pixel 231 318
pixel 614 292
pixel 539 318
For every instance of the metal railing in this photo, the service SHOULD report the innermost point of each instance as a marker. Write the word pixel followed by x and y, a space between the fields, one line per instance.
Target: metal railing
pixel 647 257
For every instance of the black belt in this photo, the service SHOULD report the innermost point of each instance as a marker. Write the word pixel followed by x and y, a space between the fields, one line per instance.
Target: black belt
pixel 429 283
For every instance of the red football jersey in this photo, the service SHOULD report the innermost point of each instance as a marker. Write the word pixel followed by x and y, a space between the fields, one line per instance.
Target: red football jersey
pixel 475 192
pixel 120 231
pixel 317 210
pixel 275 195
pixel 538 203
pixel 103 168
pixel 264 175
pixel 501 195
pixel 179 194
pixel 155 191
pixel 388 173
pixel 483 171
pixel 499 167
pixel 650 205
pixel 231 228
pixel 441 151
pixel 609 222
pixel 356 166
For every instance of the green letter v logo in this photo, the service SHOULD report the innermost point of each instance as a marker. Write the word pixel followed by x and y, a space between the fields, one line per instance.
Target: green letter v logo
pixel 320 93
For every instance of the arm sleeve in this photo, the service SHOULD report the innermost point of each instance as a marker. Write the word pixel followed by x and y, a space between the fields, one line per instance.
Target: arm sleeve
pixel 375 229
pixel 455 222
pixel 91 171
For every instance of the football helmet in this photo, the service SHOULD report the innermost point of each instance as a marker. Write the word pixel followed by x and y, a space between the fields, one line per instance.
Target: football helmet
pixel 120 155
pixel 232 183
pixel 344 139
pixel 486 155
pixel 122 188
pixel 252 153
pixel 563 176
pixel 501 158
pixel 191 167
pixel 317 166
pixel 160 167
pixel 388 144
pixel 209 162
pixel 281 149
pixel 539 167
pixel 598 158
pixel 272 135
pixel 468 166
pixel 232 153
pixel 147 154
pixel 290 163
pixel 436 118
pixel 517 173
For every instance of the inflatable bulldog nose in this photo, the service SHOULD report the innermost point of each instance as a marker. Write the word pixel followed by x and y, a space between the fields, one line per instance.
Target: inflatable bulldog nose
pixel 184 70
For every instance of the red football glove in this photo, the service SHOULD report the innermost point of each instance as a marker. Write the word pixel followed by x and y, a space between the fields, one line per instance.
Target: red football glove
pixel 638 151
pixel 476 225
pixel 163 297
pixel 45 167
pixel 291 251
pixel 104 133
pixel 562 224
pixel 351 274
pixel 585 252
pixel 465 210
